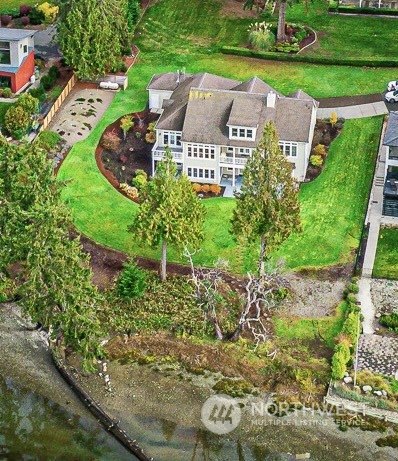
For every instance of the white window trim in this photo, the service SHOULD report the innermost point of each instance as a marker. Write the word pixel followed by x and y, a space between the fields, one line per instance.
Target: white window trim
pixel 290 145
pixel 194 172
pixel 175 134
pixel 200 151
pixel 245 137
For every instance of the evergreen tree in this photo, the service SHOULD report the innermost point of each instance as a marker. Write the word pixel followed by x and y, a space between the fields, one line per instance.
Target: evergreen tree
pixel 56 289
pixel 169 213
pixel 132 14
pixel 267 206
pixel 93 34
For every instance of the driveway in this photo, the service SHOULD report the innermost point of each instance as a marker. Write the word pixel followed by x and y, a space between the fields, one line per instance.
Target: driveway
pixel 46 46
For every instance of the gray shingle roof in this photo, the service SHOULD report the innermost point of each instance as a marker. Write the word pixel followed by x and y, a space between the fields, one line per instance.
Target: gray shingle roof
pixel 204 105
pixel 15 34
pixel 391 133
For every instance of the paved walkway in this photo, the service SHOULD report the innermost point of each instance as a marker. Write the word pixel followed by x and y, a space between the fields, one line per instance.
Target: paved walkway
pixel 378 354
pixel 355 111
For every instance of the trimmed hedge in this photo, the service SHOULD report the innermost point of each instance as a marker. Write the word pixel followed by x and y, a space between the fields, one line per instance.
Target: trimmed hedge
pixel 357 10
pixel 238 51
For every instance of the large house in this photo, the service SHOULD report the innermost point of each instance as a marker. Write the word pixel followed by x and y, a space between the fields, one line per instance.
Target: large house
pixel 17 62
pixel 212 124
pixel 390 192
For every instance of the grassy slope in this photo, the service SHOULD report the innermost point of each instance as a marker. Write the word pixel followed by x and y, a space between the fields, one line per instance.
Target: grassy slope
pixel 333 205
pixel 343 35
pixel 7 4
pixel 386 262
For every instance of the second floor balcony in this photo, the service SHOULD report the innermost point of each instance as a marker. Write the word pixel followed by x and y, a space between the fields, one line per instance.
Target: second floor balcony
pixel 159 152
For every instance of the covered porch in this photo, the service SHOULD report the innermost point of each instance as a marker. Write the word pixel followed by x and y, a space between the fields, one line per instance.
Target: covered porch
pixel 232 183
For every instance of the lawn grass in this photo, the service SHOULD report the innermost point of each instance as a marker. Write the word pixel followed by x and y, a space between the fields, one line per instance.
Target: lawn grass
pixel 6 5
pixel 170 27
pixel 386 262
pixel 310 328
pixel 344 35
pixel 333 205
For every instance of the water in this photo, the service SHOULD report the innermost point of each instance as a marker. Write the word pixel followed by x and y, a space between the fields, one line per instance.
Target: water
pixel 35 428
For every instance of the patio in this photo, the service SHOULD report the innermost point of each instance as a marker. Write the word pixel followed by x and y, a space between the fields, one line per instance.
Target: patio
pixel 227 182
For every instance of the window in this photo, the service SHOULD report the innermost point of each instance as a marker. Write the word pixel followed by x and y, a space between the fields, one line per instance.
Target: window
pixel 289 148
pixel 25 49
pixel 171 139
pixel 5 57
pixel 242 133
pixel 201 151
pixel 200 173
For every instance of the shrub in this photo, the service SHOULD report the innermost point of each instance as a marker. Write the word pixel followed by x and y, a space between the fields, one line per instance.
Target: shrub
pixel 131 282
pixel 377 382
pixel 29 103
pixel 351 298
pixel 205 188
pixel 350 326
pixel 353 288
pixel 48 139
pixel 54 72
pixel 7 93
pixel 333 118
pixel 49 11
pixel 126 123
pixel 130 191
pixel 260 35
pixel 151 126
pixel 17 121
pixel 47 82
pixel 5 19
pixel 339 366
pixel 38 93
pixel 389 320
pixel 137 134
pixel 316 160
pixel 285 47
pixel 319 149
pixel 150 137
pixel 25 21
pixel 24 10
pixel 196 187
pixel 110 141
pixel 140 179
pixel 36 16
pixel 215 189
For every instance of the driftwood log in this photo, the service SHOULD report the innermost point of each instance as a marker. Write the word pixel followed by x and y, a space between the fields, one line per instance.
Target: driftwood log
pixel 108 423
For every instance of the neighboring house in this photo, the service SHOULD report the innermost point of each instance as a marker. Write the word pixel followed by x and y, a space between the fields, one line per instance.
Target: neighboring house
pixel 212 124
pixel 17 62
pixel 390 200
pixel 393 4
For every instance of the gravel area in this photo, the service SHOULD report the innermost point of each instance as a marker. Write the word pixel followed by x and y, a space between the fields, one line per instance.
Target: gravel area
pixel 384 295
pixel 313 298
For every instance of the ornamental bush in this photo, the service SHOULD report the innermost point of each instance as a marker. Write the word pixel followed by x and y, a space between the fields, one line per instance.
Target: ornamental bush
pixel 389 320
pixel 7 93
pixel 17 121
pixel 131 282
pixel 25 21
pixel 130 191
pixel 24 10
pixel 29 103
pixel 140 179
pixel 5 19
pixel 316 160
pixel 49 11
pixel 215 189
pixel 196 187
pixel 205 188
pixel 319 149
pixel 110 141
pixel 260 35
pixel 36 16
pixel 339 366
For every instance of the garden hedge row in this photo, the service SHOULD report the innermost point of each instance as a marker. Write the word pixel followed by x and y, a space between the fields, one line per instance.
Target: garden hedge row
pixel 238 51
pixel 357 10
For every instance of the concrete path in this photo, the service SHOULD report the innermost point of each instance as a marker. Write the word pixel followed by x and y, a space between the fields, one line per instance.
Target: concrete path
pixel 367 307
pixel 355 111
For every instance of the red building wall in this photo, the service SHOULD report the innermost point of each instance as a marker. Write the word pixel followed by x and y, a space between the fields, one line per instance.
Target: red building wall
pixel 22 77
pixel 24 73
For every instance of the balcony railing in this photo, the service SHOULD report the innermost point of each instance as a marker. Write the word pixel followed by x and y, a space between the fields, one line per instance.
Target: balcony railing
pixel 232 160
pixel 159 153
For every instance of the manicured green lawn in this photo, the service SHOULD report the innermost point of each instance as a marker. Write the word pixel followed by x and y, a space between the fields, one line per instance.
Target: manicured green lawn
pixel 386 263
pixel 344 35
pixel 7 4
pixel 333 206
pixel 170 28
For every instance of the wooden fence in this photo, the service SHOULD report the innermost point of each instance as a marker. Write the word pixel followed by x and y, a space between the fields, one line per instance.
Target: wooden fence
pixel 57 104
